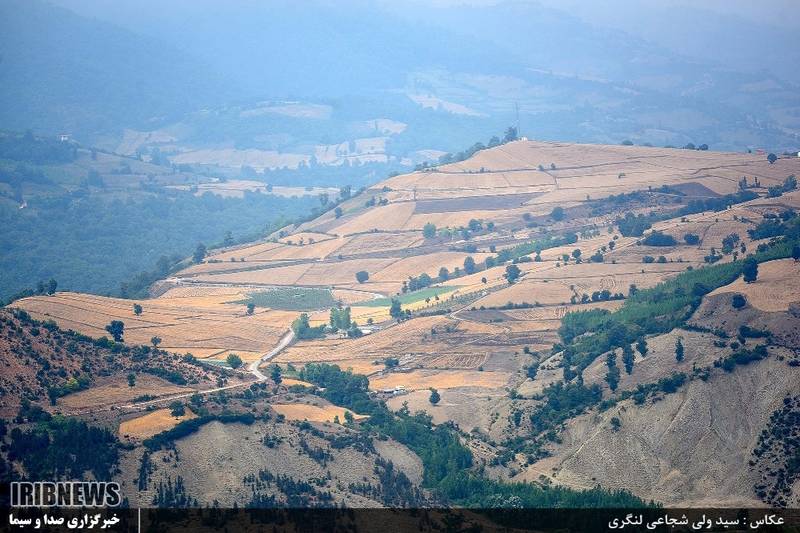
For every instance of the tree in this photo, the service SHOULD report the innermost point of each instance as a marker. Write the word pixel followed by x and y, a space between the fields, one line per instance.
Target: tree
pixel 444 274
pixel 434 397
pixel 137 309
pixel 641 346
pixel 116 328
pixel 679 353
pixel 177 409
pixel 790 183
pixel 233 360
pixel 612 376
pixel 627 358
pixel 429 230
pixel 396 311
pixel 469 265
pixel 51 286
pixel 275 374
pixel 738 301
pixel 691 238
pixel 484 280
pixel 338 212
pixel 576 253
pixel 251 307
pixel 362 276
pixel 510 135
pixel 512 273
pixel 772 158
pixel 557 213
pixel 796 252
pixel 155 341
pixel 131 380
pixel 199 253
pixel 228 241
pixel 750 270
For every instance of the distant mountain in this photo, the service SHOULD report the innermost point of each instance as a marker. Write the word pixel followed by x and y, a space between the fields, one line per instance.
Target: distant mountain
pixel 570 79
pixel 63 72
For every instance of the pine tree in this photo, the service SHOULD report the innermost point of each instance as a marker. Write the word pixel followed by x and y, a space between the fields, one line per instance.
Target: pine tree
pixel 679 350
pixel 641 346
pixel 612 377
pixel 627 358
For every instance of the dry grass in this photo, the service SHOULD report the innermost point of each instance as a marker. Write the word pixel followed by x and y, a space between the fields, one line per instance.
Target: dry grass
pixel 152 423
pixel 117 391
pixel 313 413
pixel 777 286
pixel 440 379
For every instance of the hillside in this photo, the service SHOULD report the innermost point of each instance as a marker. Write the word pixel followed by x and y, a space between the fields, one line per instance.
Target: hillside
pixel 542 289
pixel 69 373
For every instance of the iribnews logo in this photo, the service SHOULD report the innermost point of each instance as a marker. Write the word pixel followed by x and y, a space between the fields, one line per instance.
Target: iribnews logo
pixel 65 494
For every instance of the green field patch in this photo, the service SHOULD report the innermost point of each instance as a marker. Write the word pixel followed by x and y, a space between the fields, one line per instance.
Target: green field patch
pixel 291 299
pixel 410 297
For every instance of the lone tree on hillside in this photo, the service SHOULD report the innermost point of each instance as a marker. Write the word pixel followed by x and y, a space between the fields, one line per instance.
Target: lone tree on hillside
pixel 177 408
pixel 275 374
pixel 627 358
pixel 233 360
pixel 251 307
pixel 155 341
pixel 796 253
pixel 362 276
pixel 512 273
pixel 750 270
pixel 444 274
pixel 434 397
pixel 772 158
pixel 131 380
pixel 199 253
pixel 116 328
pixel 679 350
pixel 469 265
pixel 557 213
pixel 395 311
pixel 641 346
pixel 137 309
pixel 429 230
pixel 612 377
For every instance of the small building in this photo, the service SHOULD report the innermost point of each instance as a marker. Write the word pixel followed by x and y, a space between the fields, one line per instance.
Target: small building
pixel 64 137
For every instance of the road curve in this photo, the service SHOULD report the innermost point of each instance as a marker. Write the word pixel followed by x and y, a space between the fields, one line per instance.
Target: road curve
pixel 285 341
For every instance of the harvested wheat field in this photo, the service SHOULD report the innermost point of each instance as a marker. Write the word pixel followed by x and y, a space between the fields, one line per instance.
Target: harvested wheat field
pixel 777 286
pixel 153 423
pixel 440 379
pixel 116 391
pixel 313 413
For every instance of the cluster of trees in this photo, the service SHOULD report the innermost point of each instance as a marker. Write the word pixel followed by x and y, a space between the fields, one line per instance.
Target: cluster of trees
pixel 632 225
pixel 64 448
pixel 509 136
pixel 445 459
pixel 303 331
pixel 36 150
pixel 48 239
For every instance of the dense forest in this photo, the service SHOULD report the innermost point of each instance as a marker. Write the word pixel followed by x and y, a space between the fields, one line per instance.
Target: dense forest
pixel 94 243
